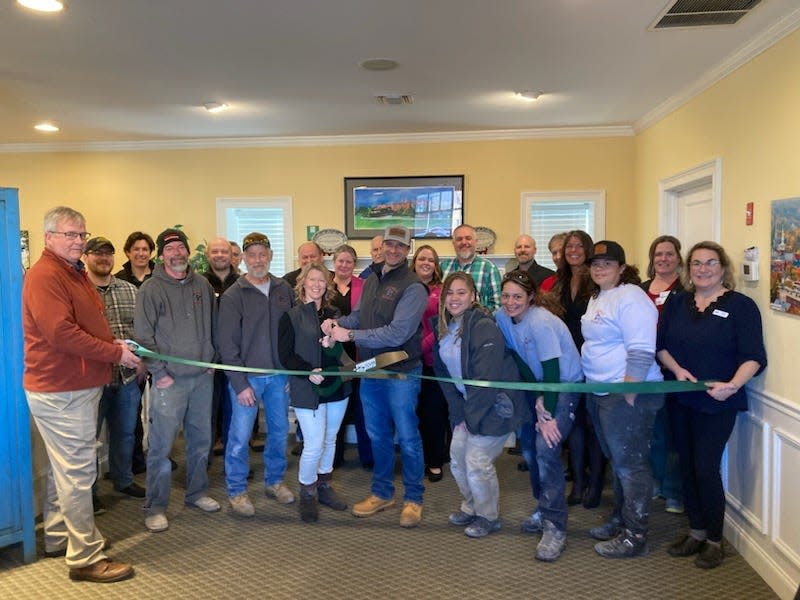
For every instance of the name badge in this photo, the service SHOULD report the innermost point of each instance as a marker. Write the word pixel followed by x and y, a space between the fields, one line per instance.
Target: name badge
pixel 720 313
pixel 662 297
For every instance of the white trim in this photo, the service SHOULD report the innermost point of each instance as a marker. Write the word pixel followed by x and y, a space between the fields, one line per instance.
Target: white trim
pixel 759 522
pixel 670 187
pixel 283 202
pixel 327 140
pixel 745 54
pixel 781 438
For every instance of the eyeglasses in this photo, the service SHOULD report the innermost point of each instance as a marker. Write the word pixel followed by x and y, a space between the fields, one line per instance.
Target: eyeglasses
pixel 73 235
pixel 710 263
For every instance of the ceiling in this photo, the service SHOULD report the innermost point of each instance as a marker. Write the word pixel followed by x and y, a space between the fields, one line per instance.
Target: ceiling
pixel 111 71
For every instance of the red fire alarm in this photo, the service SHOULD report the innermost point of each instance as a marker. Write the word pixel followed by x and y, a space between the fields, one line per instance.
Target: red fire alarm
pixel 748 214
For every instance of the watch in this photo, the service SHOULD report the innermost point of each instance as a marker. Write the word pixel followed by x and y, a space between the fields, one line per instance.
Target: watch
pixel 351 335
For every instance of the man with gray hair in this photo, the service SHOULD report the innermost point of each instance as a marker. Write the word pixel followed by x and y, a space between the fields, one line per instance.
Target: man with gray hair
pixel 69 352
pixel 483 271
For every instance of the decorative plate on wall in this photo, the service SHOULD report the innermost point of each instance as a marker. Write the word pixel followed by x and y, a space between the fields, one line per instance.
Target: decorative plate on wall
pixel 484 238
pixel 329 239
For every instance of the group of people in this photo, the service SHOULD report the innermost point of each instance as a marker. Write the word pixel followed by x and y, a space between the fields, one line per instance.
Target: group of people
pixel 458 319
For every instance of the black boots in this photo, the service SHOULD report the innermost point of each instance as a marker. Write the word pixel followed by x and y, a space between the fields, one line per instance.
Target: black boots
pixel 327 495
pixel 308 503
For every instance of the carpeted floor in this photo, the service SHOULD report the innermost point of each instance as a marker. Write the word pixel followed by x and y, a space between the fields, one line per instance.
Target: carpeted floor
pixel 275 555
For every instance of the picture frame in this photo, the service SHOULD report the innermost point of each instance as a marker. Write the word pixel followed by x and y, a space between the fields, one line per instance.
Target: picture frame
pixel 431 206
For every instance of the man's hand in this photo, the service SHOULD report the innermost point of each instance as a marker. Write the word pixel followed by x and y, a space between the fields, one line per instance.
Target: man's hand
pixel 165 382
pixel 246 397
pixel 328 325
pixel 128 359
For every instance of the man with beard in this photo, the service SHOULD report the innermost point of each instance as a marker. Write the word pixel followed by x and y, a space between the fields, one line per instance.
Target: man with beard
pixel 176 315
pixel 485 274
pixel 248 336
pixel 119 404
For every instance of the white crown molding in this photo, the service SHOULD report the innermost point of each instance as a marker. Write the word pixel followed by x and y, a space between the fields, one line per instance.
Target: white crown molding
pixel 325 140
pixel 745 54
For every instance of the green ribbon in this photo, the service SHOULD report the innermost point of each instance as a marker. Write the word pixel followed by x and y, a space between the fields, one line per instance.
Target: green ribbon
pixel 628 387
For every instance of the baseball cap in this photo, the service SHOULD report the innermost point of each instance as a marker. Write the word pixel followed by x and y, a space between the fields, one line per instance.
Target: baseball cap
pixel 607 250
pixel 94 244
pixel 168 236
pixel 255 238
pixel 397 233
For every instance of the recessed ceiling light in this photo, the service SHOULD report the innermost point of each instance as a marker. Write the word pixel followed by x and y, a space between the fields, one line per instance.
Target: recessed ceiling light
pixel 46 127
pixel 378 64
pixel 49 6
pixel 529 94
pixel 215 107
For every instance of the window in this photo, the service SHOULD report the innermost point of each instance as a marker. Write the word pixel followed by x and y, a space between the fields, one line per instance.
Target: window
pixel 270 216
pixel 545 214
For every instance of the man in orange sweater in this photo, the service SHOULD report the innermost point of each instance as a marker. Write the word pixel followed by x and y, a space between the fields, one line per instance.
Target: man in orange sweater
pixel 69 351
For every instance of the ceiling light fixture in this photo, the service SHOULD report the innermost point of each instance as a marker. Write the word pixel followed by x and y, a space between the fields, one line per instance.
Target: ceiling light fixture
pixel 529 94
pixel 215 107
pixel 46 127
pixel 378 64
pixel 48 6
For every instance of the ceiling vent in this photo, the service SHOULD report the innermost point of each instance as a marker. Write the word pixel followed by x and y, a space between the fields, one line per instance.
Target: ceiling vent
pixel 396 99
pixel 704 13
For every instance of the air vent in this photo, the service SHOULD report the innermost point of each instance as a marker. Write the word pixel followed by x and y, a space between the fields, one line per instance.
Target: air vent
pixel 395 99
pixel 704 13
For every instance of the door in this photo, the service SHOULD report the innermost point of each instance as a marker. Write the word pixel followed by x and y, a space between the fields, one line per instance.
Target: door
pixel 695 215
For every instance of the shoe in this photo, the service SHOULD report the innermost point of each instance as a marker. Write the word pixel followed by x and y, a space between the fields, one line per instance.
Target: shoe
pixel 575 496
pixel 591 499
pixel 134 490
pixel 625 545
pixel 515 451
pixel 309 511
pixel 256 445
pixel 368 466
pixel 710 556
pixel 674 507
pixel 371 506
pixel 411 514
pixel 657 493
pixel 607 531
pixel 552 543
pixel 685 545
pixel 434 477
pixel 280 492
pixel 327 495
pixel 460 518
pixel 523 467
pixel 63 551
pixel 103 571
pixel 156 523
pixel 206 504
pixel 97 505
pixel 242 506
pixel 481 527
pixel 532 524
pixel 298 449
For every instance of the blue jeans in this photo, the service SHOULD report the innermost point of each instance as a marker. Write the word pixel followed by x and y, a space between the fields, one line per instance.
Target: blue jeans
pixel 472 465
pixel 387 403
pixel 320 427
pixel 186 402
pixel 271 391
pixel 119 407
pixel 624 433
pixel 545 463
pixel 664 456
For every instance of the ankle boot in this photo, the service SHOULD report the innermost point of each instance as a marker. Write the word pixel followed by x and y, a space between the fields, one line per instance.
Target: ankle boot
pixel 327 495
pixel 308 502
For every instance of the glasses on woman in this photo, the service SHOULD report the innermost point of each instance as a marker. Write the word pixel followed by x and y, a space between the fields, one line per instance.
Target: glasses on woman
pixel 710 263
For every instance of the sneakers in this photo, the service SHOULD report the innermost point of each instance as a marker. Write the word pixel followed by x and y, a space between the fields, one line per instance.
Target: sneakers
pixel 481 527
pixel 156 523
pixel 460 518
pixel 242 506
pixel 98 507
pixel 552 543
pixel 103 571
pixel 674 506
pixel 411 514
pixel 206 504
pixel 607 531
pixel 685 546
pixel 532 524
pixel 132 491
pixel 280 492
pixel 371 506
pixel 710 556
pixel 625 545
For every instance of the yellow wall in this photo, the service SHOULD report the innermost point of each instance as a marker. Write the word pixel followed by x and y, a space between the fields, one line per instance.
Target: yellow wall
pixel 751 120
pixel 120 192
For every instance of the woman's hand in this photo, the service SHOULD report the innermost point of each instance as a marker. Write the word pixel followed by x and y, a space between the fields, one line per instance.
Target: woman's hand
pixel 316 379
pixel 327 341
pixel 546 425
pixel 682 374
pixel 721 391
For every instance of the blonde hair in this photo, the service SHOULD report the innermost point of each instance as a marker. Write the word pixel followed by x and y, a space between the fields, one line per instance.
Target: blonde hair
pixel 330 291
pixel 728 280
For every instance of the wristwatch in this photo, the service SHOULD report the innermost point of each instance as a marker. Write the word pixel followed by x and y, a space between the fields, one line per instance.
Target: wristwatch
pixel 351 335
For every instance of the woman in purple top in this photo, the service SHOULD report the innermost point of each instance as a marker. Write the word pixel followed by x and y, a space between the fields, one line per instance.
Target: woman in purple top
pixel 712 333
